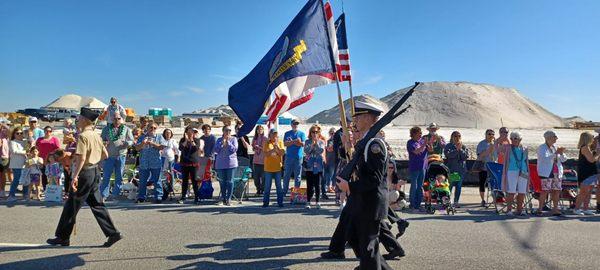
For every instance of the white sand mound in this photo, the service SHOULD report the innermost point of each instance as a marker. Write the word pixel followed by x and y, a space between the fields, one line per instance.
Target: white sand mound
pixel 464 104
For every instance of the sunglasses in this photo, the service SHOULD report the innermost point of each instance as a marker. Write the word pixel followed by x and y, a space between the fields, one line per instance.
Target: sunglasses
pixel 19 133
pixel 503 132
pixel 490 134
pixel 515 138
pixel 48 130
pixel 118 118
pixel 314 131
pixel 153 127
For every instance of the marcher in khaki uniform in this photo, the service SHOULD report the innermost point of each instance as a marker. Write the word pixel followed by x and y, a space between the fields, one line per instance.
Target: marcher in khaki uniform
pixel 84 186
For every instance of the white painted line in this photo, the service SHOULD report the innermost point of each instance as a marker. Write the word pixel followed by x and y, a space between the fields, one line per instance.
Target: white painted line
pixel 21 245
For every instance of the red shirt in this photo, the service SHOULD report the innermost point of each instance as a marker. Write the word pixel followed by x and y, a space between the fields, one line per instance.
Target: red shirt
pixel 47 146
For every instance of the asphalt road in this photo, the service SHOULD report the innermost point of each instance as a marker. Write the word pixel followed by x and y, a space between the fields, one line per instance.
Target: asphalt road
pixel 172 236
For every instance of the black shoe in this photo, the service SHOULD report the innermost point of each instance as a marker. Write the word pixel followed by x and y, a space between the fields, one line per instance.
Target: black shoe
pixel 398 253
pixel 324 197
pixel 402 225
pixel 280 205
pixel 180 201
pixel 57 241
pixel 140 201
pixel 112 240
pixel 330 255
pixel 157 201
pixel 482 203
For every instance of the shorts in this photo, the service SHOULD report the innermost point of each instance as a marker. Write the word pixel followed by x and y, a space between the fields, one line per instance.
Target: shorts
pixel 34 178
pixel 592 180
pixel 515 183
pixel 3 164
pixel 553 183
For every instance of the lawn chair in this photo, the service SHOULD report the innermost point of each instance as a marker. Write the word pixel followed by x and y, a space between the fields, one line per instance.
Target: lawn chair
pixel 534 189
pixel 570 189
pixel 240 183
pixel 494 183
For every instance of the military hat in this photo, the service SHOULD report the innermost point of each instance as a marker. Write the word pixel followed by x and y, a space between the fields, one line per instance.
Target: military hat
pixel 363 107
pixel 89 114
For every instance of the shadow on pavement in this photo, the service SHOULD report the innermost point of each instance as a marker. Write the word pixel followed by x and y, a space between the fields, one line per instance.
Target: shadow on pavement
pixel 265 253
pixel 67 261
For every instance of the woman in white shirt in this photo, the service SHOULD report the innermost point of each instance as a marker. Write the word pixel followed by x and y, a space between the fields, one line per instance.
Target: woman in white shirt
pixel 18 155
pixel 169 156
pixel 550 170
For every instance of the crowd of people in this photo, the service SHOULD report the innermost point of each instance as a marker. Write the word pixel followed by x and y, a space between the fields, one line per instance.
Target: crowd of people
pixel 507 149
pixel 29 154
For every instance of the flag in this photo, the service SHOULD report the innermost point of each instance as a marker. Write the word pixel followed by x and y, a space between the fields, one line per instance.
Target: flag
pixel 299 61
pixel 342 45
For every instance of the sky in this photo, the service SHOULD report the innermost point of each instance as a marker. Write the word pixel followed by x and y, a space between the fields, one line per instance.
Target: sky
pixel 186 54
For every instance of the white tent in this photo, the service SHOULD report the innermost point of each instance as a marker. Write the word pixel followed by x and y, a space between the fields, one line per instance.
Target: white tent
pixel 74 102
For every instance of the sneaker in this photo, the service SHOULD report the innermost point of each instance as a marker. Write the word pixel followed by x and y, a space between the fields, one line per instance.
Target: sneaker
pixel 307 206
pixel 180 201
pixel 456 205
pixel 228 203
pixel 220 203
pixel 510 214
pixel 318 206
pixel 589 212
pixel 139 201
pixel 483 203
pixel 578 212
pixel 11 199
pixel 324 197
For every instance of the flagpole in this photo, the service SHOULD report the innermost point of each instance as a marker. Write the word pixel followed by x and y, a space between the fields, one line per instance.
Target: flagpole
pixel 351 96
pixel 337 84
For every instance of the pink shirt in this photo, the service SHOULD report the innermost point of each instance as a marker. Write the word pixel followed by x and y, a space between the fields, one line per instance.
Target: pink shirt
pixel 47 146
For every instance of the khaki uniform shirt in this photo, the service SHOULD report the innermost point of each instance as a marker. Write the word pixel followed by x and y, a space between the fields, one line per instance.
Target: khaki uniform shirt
pixel 90 146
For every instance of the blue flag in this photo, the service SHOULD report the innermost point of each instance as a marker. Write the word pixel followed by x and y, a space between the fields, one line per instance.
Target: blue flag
pixel 302 51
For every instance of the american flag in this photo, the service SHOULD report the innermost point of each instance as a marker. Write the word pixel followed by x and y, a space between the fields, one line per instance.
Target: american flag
pixel 344 56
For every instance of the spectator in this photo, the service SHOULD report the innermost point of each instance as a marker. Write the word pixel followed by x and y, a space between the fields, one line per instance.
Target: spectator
pixel 550 170
pixel 314 149
pixel 273 152
pixel 243 143
pixel 189 146
pixel 515 176
pixel 456 159
pixel 113 109
pixel 34 132
pixel 149 146
pixel 33 166
pixel 64 158
pixel 500 142
pixel 417 156
pixel 485 153
pixel 587 173
pixel 329 166
pixel 45 146
pixel 18 155
pixel 437 141
pixel 117 137
pixel 168 157
pixel 293 140
pixel 209 140
pixel 225 163
pixel 258 160
pixel 4 157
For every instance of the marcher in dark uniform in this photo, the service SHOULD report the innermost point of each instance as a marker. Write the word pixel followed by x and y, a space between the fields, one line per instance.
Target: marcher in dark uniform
pixel 368 193
pixel 84 186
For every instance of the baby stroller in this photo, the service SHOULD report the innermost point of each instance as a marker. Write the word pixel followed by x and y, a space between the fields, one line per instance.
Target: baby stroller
pixel 437 193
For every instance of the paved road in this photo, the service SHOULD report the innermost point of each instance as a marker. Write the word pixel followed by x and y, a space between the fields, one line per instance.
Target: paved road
pixel 172 236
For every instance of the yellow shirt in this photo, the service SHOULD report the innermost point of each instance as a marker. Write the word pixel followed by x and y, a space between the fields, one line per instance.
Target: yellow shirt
pixel 90 146
pixel 273 162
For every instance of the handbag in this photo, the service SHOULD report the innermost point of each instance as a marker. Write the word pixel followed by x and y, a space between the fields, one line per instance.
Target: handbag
pixel 53 193
pixel 298 196
pixel 206 190
pixel 24 179
pixel 522 174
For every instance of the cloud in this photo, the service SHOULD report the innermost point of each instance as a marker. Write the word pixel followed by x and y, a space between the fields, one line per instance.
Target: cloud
pixel 137 96
pixel 222 88
pixel 194 89
pixel 225 77
pixel 372 80
pixel 176 93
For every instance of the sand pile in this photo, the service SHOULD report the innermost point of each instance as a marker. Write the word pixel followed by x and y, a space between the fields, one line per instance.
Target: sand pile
pixel 464 104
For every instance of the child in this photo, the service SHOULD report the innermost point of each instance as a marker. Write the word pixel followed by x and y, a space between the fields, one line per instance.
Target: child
pixel 54 170
pixel 33 166
pixel 441 187
pixel 64 158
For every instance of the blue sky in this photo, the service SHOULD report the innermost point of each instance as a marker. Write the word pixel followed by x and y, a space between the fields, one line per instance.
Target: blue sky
pixel 186 54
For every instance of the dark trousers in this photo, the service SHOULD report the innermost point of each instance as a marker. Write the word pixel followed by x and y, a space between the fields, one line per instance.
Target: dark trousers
pixel 87 190
pixel 67 183
pixel 364 239
pixel 258 173
pixel 339 237
pixel 313 183
pixel 188 173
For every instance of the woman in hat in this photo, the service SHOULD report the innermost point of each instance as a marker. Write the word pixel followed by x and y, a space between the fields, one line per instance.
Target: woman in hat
pixel 515 176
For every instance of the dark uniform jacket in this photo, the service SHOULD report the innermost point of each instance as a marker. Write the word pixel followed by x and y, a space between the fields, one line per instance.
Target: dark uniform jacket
pixel 369 192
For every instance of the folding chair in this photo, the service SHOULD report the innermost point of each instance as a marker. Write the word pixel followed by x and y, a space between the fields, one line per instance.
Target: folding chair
pixel 240 183
pixel 534 188
pixel 570 189
pixel 494 183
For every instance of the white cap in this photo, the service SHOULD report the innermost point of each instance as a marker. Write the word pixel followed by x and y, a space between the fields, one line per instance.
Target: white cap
pixel 515 135
pixel 33 119
pixel 433 125
pixel 549 134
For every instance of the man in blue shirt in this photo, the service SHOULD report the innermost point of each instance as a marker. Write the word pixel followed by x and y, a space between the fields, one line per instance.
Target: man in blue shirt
pixel 294 153
pixel 34 132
